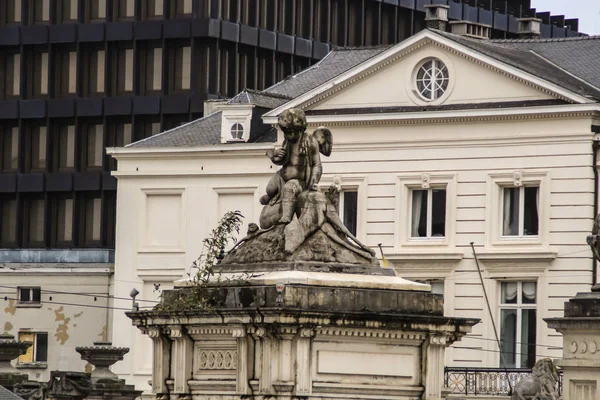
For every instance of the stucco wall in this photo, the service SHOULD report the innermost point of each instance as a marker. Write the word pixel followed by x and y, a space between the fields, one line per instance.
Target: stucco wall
pixel 73 310
pixel 379 161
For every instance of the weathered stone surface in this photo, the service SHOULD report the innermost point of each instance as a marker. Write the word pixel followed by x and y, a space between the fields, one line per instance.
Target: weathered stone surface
pixel 270 247
pixel 298 221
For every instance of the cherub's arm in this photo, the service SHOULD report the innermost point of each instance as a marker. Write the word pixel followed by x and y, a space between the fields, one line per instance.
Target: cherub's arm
pixel 278 156
pixel 316 168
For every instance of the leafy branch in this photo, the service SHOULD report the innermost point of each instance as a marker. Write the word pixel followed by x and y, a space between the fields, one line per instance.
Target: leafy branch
pixel 203 291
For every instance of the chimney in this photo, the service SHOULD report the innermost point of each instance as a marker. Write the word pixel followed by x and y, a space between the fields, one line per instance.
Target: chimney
pixel 436 16
pixel 529 28
pixel 471 29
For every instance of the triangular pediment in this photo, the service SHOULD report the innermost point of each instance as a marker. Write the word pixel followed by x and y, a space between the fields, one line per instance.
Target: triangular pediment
pixel 389 80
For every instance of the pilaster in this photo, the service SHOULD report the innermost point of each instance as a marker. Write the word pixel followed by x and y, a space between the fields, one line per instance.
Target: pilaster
pixel 433 366
pixel 161 359
pixel 183 353
pixel 303 361
pixel 245 360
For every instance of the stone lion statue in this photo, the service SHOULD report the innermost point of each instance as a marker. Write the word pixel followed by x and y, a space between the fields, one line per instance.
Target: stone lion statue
pixel 541 385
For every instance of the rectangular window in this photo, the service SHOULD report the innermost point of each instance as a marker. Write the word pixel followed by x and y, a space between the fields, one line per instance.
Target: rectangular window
pixel 37 148
pixel 181 65
pixel 67 10
pixel 66 73
pixel 92 221
pixel 428 213
pixel 35 223
pixel 39 74
pixel 41 11
pixel 518 324
pixel 124 72
pixel 30 295
pixel 10 149
pixel 12 10
pixel 62 225
pixel 66 148
pixel 38 352
pixel 520 211
pixel 94 67
pixel 183 7
pixel 95 146
pixel 348 209
pixel 124 9
pixel 152 70
pixel 96 10
pixel 12 75
pixel 153 9
pixel 8 220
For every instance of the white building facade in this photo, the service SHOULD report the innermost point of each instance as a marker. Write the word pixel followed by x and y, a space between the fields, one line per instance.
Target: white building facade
pixel 439 142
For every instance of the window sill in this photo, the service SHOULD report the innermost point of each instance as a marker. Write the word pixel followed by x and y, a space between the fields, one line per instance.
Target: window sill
pixel 29 305
pixel 32 365
pixel 425 256
pixel 518 255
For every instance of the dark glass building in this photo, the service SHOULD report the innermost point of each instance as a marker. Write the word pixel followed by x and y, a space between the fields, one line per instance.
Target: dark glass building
pixel 77 76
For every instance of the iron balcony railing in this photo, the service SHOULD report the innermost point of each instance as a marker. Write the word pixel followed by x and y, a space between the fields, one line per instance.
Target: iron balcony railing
pixel 486 381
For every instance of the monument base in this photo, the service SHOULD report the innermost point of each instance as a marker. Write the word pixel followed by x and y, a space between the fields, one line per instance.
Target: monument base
pixel 315 335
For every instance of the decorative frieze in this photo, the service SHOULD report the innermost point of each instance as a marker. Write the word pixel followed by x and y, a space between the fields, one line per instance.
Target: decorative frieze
pixel 371 333
pixel 218 359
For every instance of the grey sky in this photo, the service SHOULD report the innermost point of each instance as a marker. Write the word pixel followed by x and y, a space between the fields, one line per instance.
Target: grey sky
pixel 588 12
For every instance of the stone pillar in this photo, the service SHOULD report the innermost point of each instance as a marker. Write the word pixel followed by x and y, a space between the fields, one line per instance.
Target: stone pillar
pixel 303 361
pixel 265 373
pixel 245 360
pixel 160 359
pixel 284 382
pixel 434 349
pixel 580 362
pixel 183 353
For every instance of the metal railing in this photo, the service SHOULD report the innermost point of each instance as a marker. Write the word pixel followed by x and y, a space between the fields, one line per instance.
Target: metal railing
pixel 486 381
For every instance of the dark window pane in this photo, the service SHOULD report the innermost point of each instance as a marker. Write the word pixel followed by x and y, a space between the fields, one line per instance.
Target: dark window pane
pixel 41 351
pixel 36 295
pixel 38 148
pixel 36 222
pixel 528 332
pixel 41 11
pixel 10 148
pixel 510 219
pixel 97 9
pixel 12 83
pixel 350 211
pixel 95 146
pixel 93 212
pixel 419 213
pixel 25 295
pixel 530 223
pixel 438 213
pixel 66 149
pixel 13 11
pixel 64 223
pixel 508 334
pixel 9 223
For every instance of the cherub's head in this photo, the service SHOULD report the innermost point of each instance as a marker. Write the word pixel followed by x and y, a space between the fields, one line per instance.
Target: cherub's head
pixel 293 123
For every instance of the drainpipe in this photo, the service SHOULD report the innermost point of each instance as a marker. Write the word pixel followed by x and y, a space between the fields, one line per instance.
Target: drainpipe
pixel 595 147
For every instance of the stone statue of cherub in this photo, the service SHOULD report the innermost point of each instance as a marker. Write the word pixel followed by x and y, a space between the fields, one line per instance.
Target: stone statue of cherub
pixel 301 167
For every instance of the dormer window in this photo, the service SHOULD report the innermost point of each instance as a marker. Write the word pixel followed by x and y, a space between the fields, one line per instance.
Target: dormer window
pixel 432 79
pixel 237 131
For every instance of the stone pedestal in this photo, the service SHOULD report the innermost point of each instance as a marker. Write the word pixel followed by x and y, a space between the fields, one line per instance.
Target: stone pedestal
pixel 580 363
pixel 296 333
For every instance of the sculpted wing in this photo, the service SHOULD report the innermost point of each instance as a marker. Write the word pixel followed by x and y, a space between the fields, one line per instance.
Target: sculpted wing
pixel 325 140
